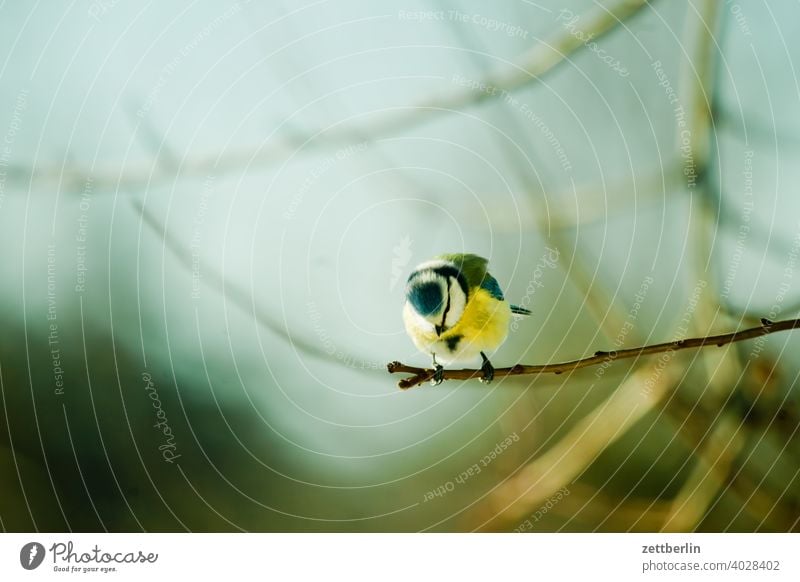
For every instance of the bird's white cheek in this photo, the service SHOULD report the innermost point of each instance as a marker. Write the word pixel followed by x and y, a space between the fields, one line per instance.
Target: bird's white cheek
pixel 415 323
pixel 458 303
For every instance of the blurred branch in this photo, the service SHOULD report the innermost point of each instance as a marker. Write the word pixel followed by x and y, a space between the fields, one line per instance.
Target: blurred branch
pixel 421 375
pixel 698 71
pixel 230 291
pixel 601 305
pixel 755 129
pixel 593 509
pixel 567 460
pixel 744 488
pixel 553 220
pixel 713 462
pixel 530 67
pixel 698 81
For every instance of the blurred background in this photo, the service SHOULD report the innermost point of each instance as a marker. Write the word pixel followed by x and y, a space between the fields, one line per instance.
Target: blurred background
pixel 209 211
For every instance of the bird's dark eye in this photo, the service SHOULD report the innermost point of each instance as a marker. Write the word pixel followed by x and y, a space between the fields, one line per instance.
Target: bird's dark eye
pixel 426 298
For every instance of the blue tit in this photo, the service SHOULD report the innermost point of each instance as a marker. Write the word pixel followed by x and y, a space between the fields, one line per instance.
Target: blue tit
pixel 455 311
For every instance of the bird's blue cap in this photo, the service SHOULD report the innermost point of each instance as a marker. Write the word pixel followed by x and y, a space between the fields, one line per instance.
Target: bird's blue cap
pixel 426 298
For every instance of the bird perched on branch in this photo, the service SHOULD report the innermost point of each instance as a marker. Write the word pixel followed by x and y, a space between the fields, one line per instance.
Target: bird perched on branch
pixel 455 311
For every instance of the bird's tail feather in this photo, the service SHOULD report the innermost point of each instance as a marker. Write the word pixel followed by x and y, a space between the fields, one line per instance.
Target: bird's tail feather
pixel 519 310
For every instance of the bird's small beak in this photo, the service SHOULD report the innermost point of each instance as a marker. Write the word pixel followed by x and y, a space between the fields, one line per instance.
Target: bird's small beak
pixel 439 329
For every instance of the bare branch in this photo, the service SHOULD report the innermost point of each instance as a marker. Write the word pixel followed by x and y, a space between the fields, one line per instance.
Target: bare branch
pixel 421 375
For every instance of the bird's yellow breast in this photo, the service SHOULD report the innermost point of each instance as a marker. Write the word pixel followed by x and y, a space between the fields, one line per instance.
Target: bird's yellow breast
pixel 482 327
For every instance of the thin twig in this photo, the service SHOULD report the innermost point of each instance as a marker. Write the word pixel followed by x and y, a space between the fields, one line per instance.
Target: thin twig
pixel 421 375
